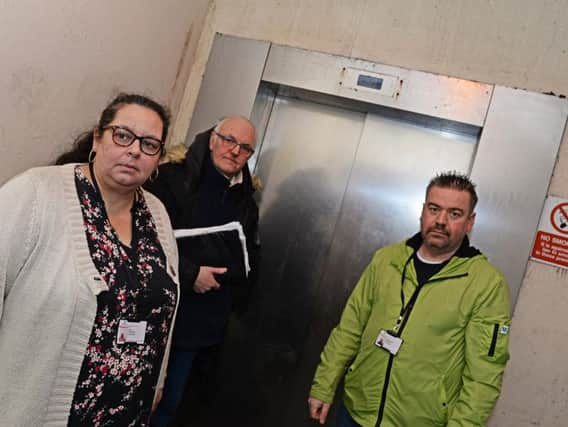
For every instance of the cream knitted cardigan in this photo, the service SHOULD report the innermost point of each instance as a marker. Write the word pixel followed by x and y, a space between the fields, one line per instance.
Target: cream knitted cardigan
pixel 48 289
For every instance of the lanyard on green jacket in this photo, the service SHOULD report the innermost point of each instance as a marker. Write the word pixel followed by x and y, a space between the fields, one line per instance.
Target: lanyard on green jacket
pixel 406 310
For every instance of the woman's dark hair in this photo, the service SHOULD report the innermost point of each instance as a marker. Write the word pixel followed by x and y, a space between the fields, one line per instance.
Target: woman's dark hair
pixel 83 144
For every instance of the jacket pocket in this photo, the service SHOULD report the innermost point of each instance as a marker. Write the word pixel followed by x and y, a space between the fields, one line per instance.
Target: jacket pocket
pixel 493 344
pixel 495 340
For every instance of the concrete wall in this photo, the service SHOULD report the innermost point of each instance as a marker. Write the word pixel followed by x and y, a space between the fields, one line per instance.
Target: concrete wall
pixel 516 43
pixel 63 60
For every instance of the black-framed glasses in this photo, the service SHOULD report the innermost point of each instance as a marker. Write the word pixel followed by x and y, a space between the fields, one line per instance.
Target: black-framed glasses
pixel 231 143
pixel 125 138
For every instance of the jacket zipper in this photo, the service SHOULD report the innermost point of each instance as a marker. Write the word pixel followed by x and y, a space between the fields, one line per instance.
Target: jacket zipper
pixel 391 358
pixel 491 351
pixel 384 395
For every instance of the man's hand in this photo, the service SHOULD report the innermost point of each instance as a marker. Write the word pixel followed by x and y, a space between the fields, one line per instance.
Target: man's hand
pixel 318 409
pixel 205 280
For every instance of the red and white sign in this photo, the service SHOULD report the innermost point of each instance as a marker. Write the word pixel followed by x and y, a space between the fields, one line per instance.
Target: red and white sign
pixel 551 243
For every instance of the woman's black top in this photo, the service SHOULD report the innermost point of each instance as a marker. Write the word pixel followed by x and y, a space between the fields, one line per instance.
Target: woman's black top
pixel 117 381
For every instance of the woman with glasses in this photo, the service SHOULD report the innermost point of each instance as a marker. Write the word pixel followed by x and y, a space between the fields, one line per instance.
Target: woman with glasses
pixel 88 279
pixel 205 185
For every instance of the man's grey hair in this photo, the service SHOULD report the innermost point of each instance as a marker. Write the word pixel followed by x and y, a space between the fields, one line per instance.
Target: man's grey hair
pixel 225 119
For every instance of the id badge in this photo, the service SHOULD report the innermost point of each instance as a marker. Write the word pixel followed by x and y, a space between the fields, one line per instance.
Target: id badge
pixel 131 332
pixel 389 342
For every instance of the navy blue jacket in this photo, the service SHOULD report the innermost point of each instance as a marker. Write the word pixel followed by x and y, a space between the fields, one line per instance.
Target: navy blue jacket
pixel 196 195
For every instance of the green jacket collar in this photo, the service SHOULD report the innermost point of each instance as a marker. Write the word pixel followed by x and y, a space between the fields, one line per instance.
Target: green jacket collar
pixel 456 266
pixel 464 251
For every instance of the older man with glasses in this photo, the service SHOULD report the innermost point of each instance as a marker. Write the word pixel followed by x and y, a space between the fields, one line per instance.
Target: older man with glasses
pixel 206 185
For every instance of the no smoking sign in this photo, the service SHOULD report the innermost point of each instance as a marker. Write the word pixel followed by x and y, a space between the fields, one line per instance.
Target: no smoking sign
pixel 551 243
pixel 559 218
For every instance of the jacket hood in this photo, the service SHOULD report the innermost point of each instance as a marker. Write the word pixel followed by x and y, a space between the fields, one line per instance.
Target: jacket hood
pixel 175 154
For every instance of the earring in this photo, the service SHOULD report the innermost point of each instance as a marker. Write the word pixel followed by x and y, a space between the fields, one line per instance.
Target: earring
pixel 154 175
pixel 92 155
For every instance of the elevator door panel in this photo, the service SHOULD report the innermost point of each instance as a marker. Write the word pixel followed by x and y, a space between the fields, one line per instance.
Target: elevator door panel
pixel 305 164
pixel 382 205
pixel 306 161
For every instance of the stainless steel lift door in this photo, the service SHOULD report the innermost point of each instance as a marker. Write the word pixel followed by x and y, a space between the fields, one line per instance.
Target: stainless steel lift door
pixel 305 164
pixel 357 178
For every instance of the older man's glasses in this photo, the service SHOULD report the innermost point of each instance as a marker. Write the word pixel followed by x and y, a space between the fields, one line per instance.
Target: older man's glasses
pixel 231 143
pixel 125 138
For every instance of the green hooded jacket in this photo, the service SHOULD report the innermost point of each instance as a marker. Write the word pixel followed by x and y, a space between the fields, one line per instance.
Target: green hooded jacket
pixel 449 368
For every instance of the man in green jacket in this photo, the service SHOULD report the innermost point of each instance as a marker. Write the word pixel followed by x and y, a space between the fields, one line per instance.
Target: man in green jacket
pixel 423 338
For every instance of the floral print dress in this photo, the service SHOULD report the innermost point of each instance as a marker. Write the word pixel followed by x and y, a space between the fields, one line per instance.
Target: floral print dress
pixel 117 381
